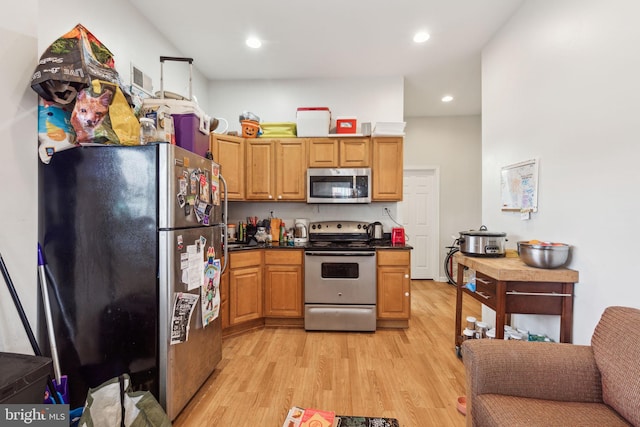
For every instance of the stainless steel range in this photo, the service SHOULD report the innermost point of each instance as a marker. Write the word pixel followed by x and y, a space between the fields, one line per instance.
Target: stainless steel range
pixel 340 278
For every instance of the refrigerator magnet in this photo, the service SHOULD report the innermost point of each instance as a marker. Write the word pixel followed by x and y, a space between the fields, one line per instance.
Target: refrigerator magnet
pixel 204 188
pixel 180 242
pixel 181 200
pixel 182 185
pixel 193 181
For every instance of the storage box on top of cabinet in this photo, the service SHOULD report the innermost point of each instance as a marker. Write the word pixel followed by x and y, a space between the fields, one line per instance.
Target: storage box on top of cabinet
pixel 313 121
pixel 346 125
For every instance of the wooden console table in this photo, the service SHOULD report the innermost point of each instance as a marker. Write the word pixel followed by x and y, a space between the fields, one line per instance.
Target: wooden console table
pixel 509 286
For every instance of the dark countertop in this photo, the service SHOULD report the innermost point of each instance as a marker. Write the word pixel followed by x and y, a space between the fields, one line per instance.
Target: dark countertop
pixel 382 244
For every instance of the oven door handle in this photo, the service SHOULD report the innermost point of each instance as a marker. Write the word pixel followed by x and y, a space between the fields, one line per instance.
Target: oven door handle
pixel 334 253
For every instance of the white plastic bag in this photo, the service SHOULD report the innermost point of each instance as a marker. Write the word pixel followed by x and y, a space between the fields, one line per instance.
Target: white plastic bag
pixel 107 403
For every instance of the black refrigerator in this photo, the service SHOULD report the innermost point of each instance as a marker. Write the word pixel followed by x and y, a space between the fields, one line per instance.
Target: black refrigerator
pixel 132 240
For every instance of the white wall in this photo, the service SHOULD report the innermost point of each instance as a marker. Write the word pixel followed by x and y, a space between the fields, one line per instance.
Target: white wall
pixel 369 99
pixel 560 83
pixel 454 145
pixel 18 174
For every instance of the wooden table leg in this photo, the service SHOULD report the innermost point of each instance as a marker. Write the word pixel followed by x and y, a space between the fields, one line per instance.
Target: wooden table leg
pixel 460 284
pixel 501 304
pixel 566 317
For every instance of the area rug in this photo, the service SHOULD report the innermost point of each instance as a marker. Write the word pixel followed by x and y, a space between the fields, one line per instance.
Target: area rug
pixel 346 421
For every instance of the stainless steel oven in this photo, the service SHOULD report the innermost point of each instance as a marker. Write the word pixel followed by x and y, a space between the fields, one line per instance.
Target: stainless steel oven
pixel 340 278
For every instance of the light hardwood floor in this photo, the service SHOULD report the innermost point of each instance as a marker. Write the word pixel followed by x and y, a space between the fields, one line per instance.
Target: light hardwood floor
pixel 411 374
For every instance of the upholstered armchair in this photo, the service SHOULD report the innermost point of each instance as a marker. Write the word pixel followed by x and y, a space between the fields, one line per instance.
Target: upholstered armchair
pixel 513 383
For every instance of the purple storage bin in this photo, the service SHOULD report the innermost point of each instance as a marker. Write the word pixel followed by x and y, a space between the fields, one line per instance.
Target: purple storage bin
pixel 188 135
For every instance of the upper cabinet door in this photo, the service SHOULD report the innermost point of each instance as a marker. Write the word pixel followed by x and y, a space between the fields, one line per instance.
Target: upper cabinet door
pixel 228 151
pixel 259 170
pixel 354 153
pixel 323 153
pixel 387 169
pixel 291 169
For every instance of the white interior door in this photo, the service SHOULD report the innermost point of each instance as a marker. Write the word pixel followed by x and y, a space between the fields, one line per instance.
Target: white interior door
pixel 419 212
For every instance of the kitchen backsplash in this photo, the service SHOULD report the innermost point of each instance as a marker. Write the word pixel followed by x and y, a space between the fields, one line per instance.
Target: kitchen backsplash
pixel 239 211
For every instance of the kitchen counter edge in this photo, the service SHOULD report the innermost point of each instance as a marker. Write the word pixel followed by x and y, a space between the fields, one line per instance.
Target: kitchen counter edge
pixel 381 245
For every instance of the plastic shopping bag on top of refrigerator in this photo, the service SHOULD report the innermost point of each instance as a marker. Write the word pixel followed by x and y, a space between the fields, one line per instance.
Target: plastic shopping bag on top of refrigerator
pixel 102 115
pixel 55 132
pixel 69 65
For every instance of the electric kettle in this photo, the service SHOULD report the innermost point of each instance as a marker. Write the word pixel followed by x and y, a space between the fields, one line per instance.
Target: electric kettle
pixel 375 231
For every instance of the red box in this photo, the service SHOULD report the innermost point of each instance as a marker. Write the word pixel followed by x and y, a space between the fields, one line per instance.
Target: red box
pixel 346 124
pixel 188 133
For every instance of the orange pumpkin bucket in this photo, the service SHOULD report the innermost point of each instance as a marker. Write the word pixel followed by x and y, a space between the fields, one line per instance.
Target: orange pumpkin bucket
pixel 250 128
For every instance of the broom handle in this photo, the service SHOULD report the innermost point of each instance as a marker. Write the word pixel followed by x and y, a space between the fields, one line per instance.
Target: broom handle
pixel 16 301
pixel 49 320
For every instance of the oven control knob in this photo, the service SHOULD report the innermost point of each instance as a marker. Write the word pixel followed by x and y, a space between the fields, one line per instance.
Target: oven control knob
pixel 339 226
pixel 339 294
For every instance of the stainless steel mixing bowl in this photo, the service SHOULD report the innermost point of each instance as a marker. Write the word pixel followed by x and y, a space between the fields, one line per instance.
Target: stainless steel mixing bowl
pixel 543 254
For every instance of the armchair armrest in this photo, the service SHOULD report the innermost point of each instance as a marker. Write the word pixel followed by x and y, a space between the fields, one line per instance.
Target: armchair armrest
pixel 552 371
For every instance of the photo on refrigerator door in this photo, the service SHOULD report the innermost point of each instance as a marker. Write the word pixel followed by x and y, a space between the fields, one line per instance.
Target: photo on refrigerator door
pixel 210 290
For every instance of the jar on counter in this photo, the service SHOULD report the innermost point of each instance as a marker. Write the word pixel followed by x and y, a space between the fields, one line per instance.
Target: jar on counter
pixel 491 333
pixel 231 232
pixel 471 322
pixel 468 334
pixel 147 131
pixel 481 329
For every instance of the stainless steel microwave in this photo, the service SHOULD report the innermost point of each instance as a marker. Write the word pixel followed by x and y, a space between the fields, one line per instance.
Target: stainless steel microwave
pixel 340 185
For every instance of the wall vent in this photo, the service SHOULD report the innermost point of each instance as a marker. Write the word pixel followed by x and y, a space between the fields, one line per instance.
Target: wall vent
pixel 140 80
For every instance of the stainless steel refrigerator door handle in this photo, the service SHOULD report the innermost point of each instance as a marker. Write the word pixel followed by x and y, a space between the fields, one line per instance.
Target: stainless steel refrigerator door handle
pixel 225 237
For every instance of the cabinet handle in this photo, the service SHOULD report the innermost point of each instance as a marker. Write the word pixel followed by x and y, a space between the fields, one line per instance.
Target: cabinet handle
pixel 406 276
pixel 279 196
pixel 270 196
pixel 539 294
pixel 483 295
pixel 486 282
pixel 406 294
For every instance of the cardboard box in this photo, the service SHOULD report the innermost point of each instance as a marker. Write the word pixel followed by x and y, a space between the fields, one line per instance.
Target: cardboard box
pixel 313 121
pixel 346 124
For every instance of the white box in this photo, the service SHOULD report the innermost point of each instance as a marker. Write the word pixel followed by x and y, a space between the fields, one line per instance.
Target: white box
pixel 313 121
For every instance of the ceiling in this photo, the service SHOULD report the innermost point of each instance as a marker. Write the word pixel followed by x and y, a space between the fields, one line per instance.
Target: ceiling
pixel 341 38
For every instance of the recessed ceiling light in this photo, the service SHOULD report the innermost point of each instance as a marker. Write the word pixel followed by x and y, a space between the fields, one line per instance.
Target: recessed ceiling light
pixel 421 37
pixel 447 98
pixel 253 42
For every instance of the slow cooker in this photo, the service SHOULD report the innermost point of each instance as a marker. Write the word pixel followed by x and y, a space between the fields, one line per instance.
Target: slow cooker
pixel 482 242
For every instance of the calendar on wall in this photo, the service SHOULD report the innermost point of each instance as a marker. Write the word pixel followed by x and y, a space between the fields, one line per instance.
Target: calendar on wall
pixel 519 186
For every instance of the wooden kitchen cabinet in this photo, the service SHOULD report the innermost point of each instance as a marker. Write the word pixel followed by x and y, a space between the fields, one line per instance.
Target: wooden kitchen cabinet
pixel 393 287
pixel 283 281
pixel 276 169
pixel 245 286
pixel 228 151
pixel 387 169
pixel 339 152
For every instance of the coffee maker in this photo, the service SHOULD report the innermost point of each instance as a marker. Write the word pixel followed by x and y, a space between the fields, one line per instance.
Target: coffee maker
pixel 301 230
